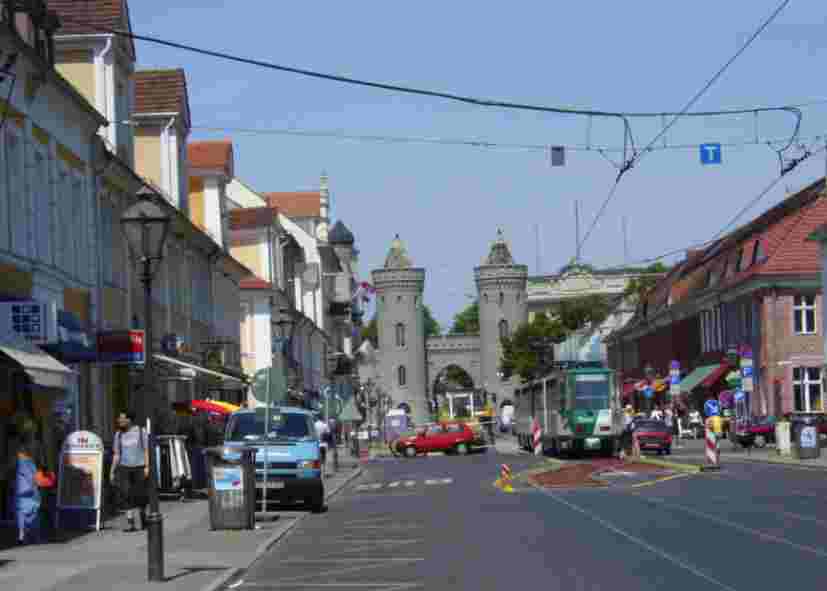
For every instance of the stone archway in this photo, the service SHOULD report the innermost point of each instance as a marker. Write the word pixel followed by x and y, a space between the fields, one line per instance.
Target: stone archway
pixel 452 350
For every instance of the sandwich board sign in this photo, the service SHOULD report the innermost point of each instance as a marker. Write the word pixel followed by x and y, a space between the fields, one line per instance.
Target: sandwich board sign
pixel 80 476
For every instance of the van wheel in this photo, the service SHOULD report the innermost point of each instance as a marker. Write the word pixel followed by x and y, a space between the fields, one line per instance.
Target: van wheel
pixel 317 505
pixel 760 441
pixel 410 452
pixel 462 449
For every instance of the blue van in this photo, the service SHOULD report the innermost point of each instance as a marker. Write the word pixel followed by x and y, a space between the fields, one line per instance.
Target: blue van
pixel 291 451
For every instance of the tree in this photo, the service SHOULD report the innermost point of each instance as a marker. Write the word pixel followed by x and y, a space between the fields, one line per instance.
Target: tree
pixel 523 350
pixel 577 313
pixel 640 286
pixel 370 332
pixel 467 321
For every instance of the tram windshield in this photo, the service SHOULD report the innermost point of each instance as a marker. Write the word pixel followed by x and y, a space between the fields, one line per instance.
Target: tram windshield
pixel 591 391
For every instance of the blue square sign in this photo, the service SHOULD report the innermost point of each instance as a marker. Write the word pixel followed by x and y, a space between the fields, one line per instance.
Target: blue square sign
pixel 710 153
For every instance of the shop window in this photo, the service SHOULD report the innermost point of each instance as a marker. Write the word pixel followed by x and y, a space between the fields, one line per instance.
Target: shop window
pixel 402 375
pixel 807 389
pixel 804 314
pixel 400 335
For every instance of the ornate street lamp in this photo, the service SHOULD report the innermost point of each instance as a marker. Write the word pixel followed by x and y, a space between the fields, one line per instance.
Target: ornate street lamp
pixel 145 226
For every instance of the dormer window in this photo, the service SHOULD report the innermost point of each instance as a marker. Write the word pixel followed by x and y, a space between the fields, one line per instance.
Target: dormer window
pixel 758 255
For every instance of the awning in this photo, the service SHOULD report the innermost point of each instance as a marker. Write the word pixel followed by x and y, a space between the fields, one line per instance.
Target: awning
pixel 44 370
pixel 197 368
pixel 705 375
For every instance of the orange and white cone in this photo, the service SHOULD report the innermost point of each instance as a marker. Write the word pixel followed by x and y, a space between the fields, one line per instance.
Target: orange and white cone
pixel 537 435
pixel 713 453
pixel 505 478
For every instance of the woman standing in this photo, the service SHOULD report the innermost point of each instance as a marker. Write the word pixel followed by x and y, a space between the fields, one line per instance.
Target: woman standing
pixel 27 496
pixel 130 468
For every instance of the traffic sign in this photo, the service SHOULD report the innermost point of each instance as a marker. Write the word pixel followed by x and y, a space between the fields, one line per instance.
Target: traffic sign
pixel 711 153
pixel 648 391
pixel 712 408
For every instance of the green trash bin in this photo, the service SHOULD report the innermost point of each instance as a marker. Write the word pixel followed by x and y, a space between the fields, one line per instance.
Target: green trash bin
pixel 804 438
pixel 231 478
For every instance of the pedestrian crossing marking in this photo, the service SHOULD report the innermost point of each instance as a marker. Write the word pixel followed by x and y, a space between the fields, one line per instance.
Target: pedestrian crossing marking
pixel 372 486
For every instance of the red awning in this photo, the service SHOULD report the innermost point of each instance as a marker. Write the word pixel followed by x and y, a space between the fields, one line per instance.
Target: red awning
pixel 716 375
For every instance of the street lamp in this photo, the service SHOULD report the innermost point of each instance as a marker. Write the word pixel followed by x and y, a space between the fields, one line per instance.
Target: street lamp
pixel 285 324
pixel 145 226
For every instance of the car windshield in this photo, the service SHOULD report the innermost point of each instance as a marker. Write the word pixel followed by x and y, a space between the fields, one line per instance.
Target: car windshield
pixel 591 391
pixel 250 426
pixel 651 426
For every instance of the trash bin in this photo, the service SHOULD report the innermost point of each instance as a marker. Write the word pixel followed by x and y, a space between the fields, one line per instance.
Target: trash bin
pixel 804 438
pixel 231 476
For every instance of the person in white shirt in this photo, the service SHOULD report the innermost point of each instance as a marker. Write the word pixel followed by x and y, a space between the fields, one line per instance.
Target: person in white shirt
pixel 322 431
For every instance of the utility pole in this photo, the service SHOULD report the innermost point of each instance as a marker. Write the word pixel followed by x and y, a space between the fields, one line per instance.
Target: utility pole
pixel 537 246
pixel 625 243
pixel 577 231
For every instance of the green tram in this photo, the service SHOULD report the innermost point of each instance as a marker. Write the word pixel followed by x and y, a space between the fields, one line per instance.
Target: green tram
pixel 578 410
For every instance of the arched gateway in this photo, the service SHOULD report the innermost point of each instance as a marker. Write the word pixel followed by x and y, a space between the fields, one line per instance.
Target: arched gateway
pixel 409 363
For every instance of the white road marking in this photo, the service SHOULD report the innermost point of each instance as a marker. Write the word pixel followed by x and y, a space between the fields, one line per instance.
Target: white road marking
pixel 439 481
pixel 394 484
pixel 410 483
pixel 373 486
pixel 634 539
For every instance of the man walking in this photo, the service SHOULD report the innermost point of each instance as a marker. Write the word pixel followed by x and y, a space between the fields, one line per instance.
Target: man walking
pixel 322 431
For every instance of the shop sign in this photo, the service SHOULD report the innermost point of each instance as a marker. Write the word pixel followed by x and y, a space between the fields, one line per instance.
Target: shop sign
pixel 121 346
pixel 30 320
pixel 746 369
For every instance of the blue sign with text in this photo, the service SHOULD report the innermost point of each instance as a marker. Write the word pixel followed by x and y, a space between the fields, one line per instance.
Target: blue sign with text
pixel 712 408
pixel 710 153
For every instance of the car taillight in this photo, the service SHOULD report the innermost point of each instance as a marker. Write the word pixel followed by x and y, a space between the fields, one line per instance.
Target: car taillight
pixel 579 428
pixel 310 465
pixel 605 428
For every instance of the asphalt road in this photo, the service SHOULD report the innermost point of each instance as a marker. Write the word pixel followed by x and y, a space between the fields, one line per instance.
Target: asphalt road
pixel 444 526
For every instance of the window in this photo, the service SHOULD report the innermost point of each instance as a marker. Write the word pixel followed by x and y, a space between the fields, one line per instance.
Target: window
pixel 739 259
pixel 400 335
pixel 502 298
pixel 804 314
pixel 402 375
pixel 485 297
pixel 503 326
pixel 807 389
pixel 398 299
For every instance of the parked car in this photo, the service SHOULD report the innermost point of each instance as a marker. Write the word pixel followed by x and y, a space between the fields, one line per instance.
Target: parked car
pixel 653 435
pixel 453 437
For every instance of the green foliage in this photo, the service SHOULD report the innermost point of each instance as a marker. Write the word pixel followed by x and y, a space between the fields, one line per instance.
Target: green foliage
pixel 467 321
pixel 370 332
pixel 526 350
pixel 576 313
pixel 640 286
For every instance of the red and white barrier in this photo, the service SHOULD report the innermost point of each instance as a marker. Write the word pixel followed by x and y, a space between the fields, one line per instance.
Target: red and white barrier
pixel 713 453
pixel 635 446
pixel 505 473
pixel 537 434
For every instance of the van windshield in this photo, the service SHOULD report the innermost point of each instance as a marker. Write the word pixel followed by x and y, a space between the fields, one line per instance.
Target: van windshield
pixel 250 426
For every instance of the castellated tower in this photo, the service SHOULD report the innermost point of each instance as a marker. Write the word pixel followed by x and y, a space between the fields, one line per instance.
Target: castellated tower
pixel 401 328
pixel 501 288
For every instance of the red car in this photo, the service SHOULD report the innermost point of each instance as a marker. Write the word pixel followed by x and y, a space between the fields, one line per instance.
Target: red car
pixel 446 437
pixel 653 435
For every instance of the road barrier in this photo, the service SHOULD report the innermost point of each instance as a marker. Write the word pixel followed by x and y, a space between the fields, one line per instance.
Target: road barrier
pixel 713 452
pixel 635 446
pixel 505 480
pixel 538 437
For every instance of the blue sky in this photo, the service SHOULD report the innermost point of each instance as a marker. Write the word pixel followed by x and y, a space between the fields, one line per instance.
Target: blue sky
pixel 447 201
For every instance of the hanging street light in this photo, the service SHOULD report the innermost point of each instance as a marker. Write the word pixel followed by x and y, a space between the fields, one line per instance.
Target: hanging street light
pixel 145 226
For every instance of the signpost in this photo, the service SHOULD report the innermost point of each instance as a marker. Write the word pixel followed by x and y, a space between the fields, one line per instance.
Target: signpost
pixel 674 379
pixel 712 408
pixel 746 370
pixel 80 477
pixel 710 153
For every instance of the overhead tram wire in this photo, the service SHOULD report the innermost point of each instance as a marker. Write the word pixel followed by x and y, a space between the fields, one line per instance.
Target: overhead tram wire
pixel 720 233
pixel 483 102
pixel 639 155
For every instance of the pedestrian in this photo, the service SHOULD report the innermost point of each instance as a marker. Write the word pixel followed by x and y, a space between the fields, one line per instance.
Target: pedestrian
pixel 27 497
pixel 322 432
pixel 130 468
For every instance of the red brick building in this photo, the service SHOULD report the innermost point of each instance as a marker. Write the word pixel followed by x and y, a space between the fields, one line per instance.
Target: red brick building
pixel 759 286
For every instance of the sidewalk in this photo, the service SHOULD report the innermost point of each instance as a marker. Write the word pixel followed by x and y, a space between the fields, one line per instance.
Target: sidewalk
pixel 693 450
pixel 196 558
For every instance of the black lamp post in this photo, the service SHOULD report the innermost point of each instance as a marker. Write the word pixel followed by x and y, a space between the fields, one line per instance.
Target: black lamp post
pixel 145 226
pixel 286 325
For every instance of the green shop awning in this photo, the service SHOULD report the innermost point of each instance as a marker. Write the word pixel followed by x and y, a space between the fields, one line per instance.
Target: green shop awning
pixel 702 375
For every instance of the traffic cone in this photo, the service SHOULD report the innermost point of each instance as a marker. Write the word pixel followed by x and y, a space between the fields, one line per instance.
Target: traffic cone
pixel 505 478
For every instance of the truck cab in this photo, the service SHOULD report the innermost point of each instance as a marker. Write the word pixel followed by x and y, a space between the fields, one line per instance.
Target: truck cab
pixel 288 458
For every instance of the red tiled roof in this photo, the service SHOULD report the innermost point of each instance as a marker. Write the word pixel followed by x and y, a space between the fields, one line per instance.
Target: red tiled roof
pixel 212 155
pixel 162 91
pixel 254 283
pixel 299 204
pixel 253 217
pixel 92 16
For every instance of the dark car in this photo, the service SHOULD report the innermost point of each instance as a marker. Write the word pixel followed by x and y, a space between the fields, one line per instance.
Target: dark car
pixel 653 436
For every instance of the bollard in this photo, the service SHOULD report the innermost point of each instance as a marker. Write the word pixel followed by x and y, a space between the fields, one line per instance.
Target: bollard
pixel 537 438
pixel 713 453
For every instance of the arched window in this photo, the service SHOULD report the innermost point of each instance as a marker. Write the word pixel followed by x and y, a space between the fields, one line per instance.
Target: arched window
pixel 485 297
pixel 502 298
pixel 503 328
pixel 402 375
pixel 400 335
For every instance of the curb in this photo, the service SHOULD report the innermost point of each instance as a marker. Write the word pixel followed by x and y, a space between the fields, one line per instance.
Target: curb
pixel 689 468
pixel 778 462
pixel 277 536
